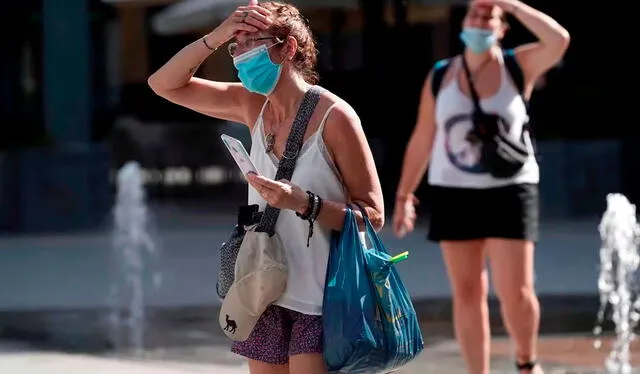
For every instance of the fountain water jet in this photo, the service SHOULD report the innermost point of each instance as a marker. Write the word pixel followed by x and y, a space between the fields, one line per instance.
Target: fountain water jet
pixel 135 256
pixel 617 282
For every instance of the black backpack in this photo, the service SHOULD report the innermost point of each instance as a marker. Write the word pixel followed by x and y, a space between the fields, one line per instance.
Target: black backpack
pixel 501 156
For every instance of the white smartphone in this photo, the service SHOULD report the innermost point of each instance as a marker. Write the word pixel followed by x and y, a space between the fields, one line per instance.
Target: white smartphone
pixel 239 154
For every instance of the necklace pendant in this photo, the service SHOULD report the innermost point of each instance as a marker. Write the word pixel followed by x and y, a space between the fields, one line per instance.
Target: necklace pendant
pixel 271 140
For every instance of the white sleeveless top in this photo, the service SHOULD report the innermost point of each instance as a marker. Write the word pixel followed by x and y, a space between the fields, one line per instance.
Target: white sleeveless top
pixel 455 161
pixel 314 172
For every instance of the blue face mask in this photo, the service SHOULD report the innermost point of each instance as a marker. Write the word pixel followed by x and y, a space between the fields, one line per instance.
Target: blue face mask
pixel 256 70
pixel 478 40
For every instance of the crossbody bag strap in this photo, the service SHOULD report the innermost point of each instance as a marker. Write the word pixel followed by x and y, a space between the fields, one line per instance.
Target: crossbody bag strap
pixel 290 156
pixel 472 88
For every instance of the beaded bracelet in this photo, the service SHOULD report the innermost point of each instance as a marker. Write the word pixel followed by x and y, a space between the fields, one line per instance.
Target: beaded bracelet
pixel 315 212
pixel 311 213
pixel 307 213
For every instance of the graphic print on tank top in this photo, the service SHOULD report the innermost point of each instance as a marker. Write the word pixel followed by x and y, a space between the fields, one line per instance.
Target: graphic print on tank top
pixel 462 152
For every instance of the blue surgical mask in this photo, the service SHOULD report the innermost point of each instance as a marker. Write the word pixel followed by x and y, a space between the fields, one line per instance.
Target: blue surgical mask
pixel 478 40
pixel 256 70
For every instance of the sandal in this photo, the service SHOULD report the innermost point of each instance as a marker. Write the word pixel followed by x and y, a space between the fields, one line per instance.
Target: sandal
pixel 528 366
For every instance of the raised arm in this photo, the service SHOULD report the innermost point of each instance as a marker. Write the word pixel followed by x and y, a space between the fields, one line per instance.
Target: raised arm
pixel 175 82
pixel 553 39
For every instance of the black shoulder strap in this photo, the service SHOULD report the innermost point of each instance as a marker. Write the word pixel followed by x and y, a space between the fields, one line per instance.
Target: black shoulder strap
pixel 514 69
pixel 511 63
pixel 439 70
pixel 290 156
pixel 517 76
pixel 472 88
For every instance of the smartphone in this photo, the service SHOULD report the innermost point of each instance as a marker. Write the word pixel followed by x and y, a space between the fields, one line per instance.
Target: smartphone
pixel 239 154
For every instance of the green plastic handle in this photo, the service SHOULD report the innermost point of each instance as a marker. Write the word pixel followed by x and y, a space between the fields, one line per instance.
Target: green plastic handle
pixel 401 257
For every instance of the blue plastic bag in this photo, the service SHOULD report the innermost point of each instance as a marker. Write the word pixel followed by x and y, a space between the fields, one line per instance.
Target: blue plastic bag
pixel 370 325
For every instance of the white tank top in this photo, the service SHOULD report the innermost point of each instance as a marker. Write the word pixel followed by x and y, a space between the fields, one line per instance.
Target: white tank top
pixel 455 161
pixel 315 172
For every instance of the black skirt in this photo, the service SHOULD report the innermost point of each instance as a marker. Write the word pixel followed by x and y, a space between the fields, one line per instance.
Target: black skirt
pixel 510 212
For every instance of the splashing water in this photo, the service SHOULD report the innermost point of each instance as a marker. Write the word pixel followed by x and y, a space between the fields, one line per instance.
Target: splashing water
pixel 619 260
pixel 134 254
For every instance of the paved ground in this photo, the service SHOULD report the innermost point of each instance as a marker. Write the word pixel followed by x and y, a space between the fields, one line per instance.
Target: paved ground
pixel 559 354
pixel 73 271
pixel 54 292
pixel 190 342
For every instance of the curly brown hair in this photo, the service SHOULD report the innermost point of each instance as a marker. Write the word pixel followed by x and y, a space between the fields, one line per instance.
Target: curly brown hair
pixel 288 21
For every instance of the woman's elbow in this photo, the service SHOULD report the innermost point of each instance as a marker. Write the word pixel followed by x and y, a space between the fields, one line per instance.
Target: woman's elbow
pixel 374 215
pixel 564 34
pixel 161 84
pixel 377 219
pixel 378 223
pixel 154 83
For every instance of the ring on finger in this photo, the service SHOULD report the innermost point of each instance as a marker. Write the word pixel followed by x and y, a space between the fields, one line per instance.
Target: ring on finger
pixel 245 14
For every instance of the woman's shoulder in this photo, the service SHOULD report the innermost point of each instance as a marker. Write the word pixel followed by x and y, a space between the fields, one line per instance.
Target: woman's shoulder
pixel 340 108
pixel 341 120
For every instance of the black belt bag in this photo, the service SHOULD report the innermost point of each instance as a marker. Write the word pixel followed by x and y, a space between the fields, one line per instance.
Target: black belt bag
pixel 501 156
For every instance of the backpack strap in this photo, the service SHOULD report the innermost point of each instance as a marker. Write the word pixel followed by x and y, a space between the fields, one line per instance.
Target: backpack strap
pixel 511 63
pixel 517 76
pixel 514 69
pixel 439 70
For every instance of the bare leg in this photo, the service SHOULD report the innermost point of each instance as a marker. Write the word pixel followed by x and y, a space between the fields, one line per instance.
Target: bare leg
pixel 512 276
pixel 309 363
pixel 258 367
pixel 465 264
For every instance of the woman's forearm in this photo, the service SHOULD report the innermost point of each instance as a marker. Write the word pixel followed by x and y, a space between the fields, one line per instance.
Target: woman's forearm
pixel 416 160
pixel 177 72
pixel 545 28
